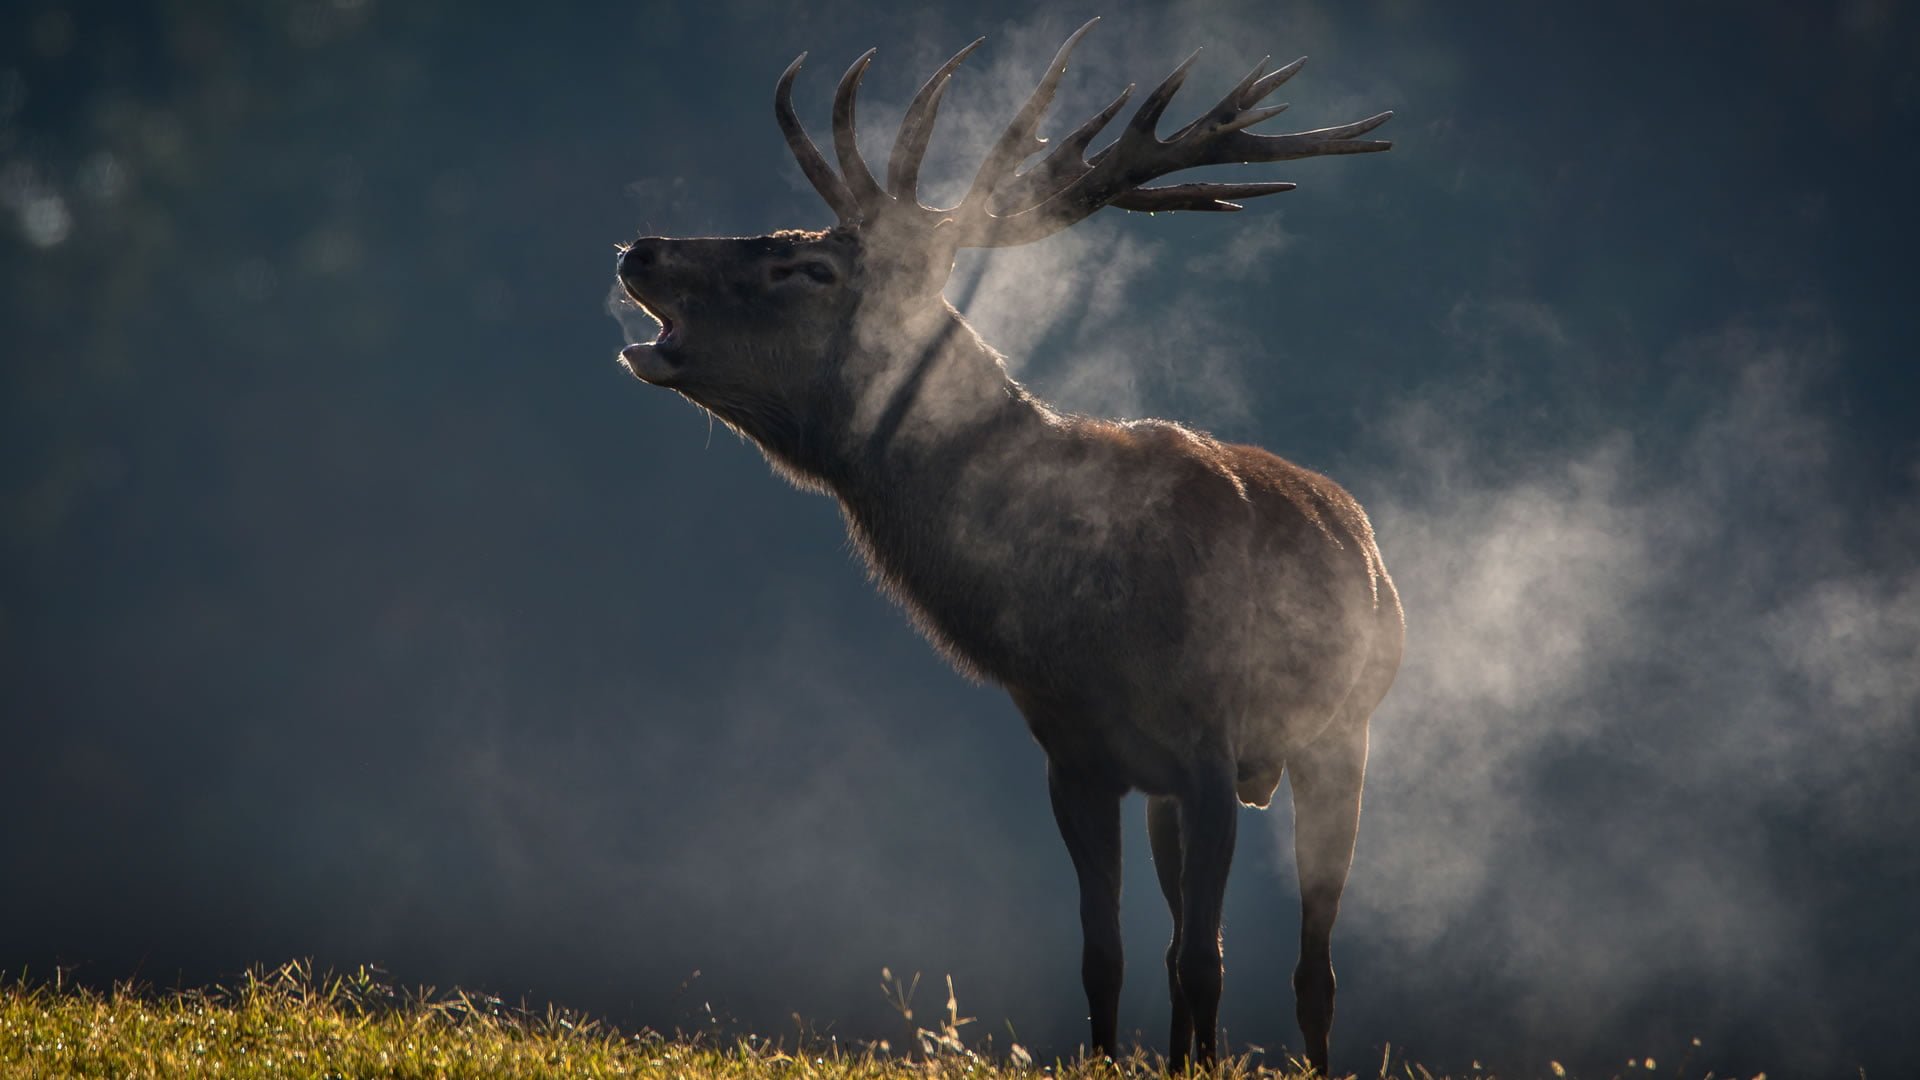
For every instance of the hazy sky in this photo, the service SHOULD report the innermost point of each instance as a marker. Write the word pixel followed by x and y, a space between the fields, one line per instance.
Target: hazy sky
pixel 356 606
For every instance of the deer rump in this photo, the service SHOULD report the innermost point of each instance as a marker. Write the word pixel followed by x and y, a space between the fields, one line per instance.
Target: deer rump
pixel 1170 614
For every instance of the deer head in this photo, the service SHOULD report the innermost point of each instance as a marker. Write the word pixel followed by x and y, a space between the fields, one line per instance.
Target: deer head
pixel 777 335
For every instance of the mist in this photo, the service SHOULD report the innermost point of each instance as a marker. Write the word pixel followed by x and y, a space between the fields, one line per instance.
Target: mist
pixel 357 606
pixel 1640 754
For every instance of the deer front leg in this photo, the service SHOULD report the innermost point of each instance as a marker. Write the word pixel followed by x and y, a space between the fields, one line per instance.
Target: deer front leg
pixel 1163 832
pixel 1209 816
pixel 1326 779
pixel 1088 813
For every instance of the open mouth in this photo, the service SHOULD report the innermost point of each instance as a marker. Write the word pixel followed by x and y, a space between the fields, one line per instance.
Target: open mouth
pixel 654 361
pixel 667 337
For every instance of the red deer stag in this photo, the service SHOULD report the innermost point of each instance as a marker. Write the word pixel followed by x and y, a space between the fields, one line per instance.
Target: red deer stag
pixel 1170 613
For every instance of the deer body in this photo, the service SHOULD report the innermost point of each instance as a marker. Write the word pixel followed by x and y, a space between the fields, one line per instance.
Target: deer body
pixel 1169 613
pixel 1094 568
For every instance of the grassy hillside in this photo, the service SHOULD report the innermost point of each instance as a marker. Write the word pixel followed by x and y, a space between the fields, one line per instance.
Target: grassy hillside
pixel 292 1023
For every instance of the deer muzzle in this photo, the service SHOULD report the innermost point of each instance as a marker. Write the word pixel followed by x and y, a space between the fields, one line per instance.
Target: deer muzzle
pixel 643 273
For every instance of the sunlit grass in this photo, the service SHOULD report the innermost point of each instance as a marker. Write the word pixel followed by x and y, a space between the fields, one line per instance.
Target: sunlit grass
pixel 290 1022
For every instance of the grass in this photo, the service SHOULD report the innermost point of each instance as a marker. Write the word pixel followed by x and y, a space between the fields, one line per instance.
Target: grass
pixel 290 1022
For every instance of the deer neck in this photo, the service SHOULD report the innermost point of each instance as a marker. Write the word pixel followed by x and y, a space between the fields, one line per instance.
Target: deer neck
pixel 939 446
pixel 925 401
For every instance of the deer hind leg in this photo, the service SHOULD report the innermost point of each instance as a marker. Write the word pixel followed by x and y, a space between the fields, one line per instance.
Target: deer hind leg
pixel 1088 814
pixel 1209 815
pixel 1326 778
pixel 1163 833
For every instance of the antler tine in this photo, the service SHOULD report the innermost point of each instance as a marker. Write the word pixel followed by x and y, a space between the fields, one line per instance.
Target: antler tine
pixel 1251 117
pixel 1146 120
pixel 867 193
pixel 1244 146
pixel 1065 163
pixel 1208 197
pixel 1258 92
pixel 916 127
pixel 1017 142
pixel 1238 95
pixel 818 172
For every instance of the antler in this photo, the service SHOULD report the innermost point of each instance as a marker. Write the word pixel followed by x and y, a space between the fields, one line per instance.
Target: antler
pixel 1004 207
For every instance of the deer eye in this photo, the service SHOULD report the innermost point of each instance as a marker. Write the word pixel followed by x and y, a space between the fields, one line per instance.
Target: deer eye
pixel 818 271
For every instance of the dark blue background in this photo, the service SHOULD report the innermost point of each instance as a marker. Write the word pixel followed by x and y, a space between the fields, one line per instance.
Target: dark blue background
pixel 356 606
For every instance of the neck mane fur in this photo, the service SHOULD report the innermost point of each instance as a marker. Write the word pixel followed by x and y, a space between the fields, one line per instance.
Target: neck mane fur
pixel 934 444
